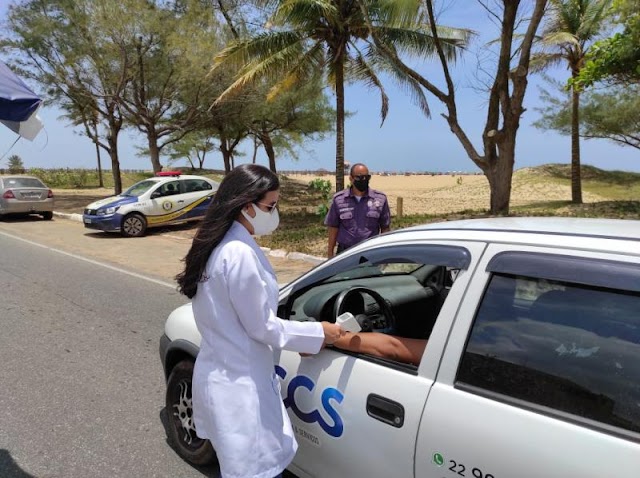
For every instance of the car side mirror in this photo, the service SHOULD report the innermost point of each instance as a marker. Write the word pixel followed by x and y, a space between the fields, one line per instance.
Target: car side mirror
pixel 155 195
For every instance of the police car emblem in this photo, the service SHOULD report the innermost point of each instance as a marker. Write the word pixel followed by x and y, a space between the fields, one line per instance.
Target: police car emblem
pixel 167 205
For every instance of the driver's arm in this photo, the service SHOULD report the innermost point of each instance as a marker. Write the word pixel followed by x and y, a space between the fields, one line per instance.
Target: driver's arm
pixel 400 349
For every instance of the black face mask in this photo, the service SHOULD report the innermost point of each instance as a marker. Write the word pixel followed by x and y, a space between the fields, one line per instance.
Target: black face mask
pixel 361 184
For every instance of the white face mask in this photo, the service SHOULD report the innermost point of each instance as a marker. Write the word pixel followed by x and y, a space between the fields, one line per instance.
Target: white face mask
pixel 264 223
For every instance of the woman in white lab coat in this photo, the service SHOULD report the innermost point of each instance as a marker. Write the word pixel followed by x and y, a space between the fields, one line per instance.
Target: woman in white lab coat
pixel 236 393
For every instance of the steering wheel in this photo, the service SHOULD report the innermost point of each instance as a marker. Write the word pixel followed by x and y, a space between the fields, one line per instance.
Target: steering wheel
pixel 384 321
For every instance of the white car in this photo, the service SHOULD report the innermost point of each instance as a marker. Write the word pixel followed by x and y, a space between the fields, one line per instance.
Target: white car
pixel 168 198
pixel 532 367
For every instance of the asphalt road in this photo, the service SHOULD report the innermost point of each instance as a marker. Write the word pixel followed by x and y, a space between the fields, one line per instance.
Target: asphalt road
pixel 81 384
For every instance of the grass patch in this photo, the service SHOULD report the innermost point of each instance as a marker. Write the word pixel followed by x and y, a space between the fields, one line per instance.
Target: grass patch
pixel 298 231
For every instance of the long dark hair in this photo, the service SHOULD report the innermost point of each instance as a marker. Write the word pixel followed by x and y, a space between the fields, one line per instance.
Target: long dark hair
pixel 247 183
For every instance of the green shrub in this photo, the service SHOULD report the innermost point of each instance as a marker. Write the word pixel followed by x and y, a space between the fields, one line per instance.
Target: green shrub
pixel 323 187
pixel 322 210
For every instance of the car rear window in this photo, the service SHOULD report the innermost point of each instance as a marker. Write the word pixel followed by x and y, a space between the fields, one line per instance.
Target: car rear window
pixel 569 347
pixel 23 183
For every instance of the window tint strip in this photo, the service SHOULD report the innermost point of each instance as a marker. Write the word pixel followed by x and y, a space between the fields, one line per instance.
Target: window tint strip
pixel 437 255
pixel 594 272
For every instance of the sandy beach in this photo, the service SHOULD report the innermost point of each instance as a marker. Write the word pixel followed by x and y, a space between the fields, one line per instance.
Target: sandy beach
pixel 441 194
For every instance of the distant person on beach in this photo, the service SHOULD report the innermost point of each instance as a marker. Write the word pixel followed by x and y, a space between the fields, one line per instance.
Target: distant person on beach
pixel 356 213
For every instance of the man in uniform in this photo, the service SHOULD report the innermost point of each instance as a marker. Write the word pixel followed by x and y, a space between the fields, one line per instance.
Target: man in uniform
pixel 356 213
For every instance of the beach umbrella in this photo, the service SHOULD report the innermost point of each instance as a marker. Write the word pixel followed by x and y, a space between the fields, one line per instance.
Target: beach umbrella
pixel 18 105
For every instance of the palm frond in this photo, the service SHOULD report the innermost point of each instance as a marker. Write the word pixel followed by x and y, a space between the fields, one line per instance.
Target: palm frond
pixel 358 69
pixel 271 63
pixel 416 42
pixel 394 13
pixel 404 81
pixel 305 14
pixel 540 61
pixel 582 18
pixel 238 54
pixel 593 19
pixel 560 38
pixel 306 67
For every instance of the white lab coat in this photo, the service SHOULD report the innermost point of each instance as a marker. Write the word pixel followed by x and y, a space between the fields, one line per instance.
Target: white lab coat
pixel 236 393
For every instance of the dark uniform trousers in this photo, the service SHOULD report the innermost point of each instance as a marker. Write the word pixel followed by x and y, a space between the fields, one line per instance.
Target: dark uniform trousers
pixel 341 248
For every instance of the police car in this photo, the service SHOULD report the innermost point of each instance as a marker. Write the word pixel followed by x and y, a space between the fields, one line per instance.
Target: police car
pixel 531 367
pixel 167 198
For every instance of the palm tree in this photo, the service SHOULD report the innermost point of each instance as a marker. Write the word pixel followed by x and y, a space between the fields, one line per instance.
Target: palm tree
pixel 335 38
pixel 572 27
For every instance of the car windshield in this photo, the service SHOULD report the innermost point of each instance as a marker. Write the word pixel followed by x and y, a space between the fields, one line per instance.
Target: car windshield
pixel 369 269
pixel 139 188
pixel 23 183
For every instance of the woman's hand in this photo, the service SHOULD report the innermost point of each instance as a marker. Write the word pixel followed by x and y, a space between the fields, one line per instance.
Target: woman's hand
pixel 332 332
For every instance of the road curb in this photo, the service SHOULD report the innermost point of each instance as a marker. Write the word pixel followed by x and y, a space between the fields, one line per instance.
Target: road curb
pixel 281 253
pixel 72 217
pixel 296 256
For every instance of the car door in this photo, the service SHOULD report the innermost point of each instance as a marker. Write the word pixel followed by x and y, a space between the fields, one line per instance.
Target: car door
pixel 540 375
pixel 355 414
pixel 166 204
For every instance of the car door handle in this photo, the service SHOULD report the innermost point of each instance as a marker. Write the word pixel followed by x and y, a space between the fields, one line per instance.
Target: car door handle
pixel 180 201
pixel 385 410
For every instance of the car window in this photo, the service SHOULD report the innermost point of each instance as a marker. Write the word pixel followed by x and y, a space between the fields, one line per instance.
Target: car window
pixel 194 185
pixel 169 189
pixel 410 291
pixel 23 183
pixel 570 347
pixel 138 189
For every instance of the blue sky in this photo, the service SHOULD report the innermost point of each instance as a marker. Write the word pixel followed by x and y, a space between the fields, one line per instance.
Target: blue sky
pixel 407 141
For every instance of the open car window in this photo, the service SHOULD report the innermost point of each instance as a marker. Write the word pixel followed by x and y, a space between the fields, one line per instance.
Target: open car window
pixel 396 291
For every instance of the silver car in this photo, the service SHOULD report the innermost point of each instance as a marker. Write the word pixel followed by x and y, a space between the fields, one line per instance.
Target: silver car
pixel 526 334
pixel 25 195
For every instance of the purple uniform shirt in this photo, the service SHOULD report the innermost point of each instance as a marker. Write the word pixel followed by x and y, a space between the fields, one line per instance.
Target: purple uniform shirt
pixel 357 221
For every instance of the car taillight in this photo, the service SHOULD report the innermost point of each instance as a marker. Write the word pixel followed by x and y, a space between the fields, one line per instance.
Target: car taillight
pixel 9 194
pixel 50 194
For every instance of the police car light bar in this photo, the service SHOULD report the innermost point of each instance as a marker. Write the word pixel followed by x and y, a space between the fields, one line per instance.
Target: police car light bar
pixel 169 173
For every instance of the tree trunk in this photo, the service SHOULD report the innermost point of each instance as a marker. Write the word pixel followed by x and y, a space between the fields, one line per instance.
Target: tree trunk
pixel 255 149
pixel 95 130
pixel 505 99
pixel 154 151
pixel 226 154
pixel 115 163
pixel 226 157
pixel 340 123
pixel 115 124
pixel 499 174
pixel 268 148
pixel 576 180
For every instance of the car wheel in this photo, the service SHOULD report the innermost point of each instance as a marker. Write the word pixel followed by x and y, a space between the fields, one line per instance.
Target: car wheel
pixel 47 215
pixel 134 225
pixel 182 430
